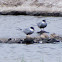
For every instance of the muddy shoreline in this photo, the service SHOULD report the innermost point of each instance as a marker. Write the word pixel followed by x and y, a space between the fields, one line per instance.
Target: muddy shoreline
pixel 34 13
pixel 31 7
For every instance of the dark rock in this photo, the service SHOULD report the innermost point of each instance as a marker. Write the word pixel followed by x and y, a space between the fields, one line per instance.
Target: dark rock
pixel 47 40
pixel 9 39
pixel 34 13
pixel 1 41
pixel 13 13
pixel 54 40
pixel 28 41
pixel 20 41
pixel 59 38
pixel 14 40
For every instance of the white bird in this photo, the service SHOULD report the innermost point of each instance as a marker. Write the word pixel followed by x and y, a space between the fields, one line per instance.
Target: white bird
pixel 42 24
pixel 29 31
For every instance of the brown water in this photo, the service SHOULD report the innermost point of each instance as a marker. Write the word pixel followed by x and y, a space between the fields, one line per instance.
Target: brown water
pixel 29 53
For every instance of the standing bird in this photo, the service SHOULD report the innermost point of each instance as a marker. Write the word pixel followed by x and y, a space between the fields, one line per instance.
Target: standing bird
pixel 28 39
pixel 29 31
pixel 42 24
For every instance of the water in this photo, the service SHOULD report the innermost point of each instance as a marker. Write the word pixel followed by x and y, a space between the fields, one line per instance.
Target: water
pixel 29 53
pixel 9 25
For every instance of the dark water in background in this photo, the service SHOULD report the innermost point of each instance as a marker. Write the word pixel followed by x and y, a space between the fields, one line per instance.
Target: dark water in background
pixel 29 53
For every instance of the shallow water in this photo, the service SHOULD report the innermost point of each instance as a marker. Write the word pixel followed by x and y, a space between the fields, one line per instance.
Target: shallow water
pixel 29 53
pixel 9 25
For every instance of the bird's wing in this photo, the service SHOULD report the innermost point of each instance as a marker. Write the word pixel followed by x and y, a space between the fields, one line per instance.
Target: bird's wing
pixel 26 31
pixel 39 24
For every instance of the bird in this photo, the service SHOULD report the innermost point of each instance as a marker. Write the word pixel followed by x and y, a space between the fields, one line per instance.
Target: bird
pixel 42 24
pixel 29 31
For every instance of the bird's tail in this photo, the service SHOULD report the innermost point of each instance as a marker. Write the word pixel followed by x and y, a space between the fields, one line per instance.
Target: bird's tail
pixel 18 28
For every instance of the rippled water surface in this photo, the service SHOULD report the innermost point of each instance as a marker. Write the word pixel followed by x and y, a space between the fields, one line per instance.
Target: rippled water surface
pixel 9 25
pixel 29 53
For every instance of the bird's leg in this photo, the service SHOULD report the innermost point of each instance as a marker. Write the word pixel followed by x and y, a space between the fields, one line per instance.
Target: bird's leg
pixel 43 29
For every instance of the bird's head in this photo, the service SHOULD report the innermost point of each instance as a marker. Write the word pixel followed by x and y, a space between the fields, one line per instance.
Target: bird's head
pixel 44 20
pixel 32 28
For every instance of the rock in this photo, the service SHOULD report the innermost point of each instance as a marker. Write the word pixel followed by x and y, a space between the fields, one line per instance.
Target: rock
pixel 47 40
pixel 11 40
pixel 53 35
pixel 44 35
pixel 59 38
pixel 43 38
pixel 3 40
pixel 19 40
pixel 53 40
pixel 15 40
pixel 37 39
pixel 28 40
